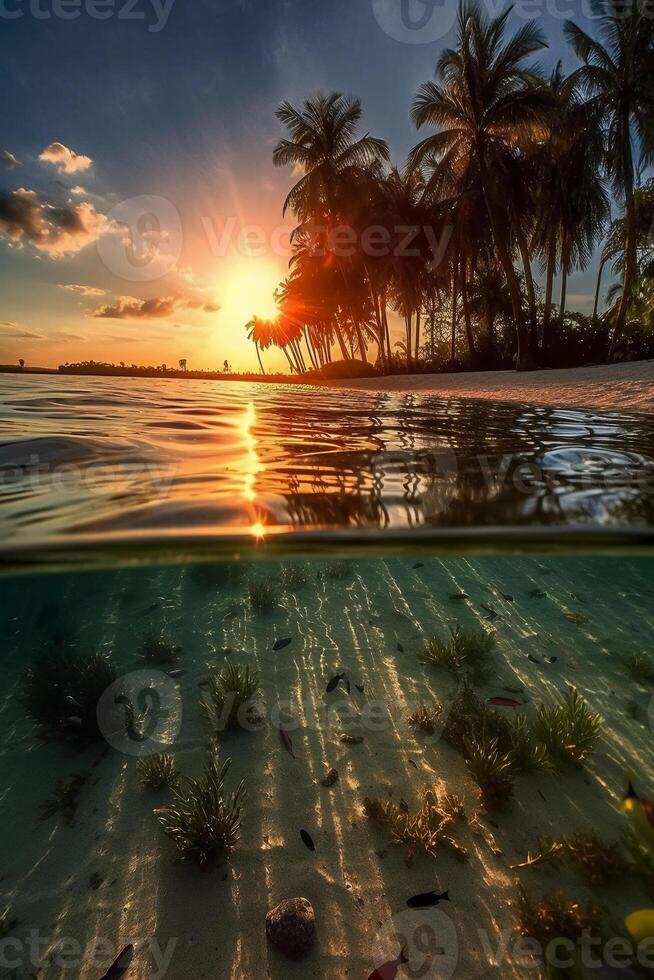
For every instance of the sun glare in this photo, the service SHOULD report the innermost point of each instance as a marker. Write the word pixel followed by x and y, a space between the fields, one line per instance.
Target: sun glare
pixel 245 289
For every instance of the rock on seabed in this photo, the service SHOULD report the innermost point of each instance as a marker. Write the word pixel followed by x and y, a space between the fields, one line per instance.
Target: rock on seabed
pixel 291 927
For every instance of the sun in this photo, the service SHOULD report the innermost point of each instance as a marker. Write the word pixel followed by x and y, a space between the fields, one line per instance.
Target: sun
pixel 245 289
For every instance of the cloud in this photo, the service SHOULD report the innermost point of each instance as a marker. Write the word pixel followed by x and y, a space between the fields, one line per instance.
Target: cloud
pixel 65 160
pixel 52 228
pixel 74 287
pixel 8 160
pixel 129 308
pixel 10 329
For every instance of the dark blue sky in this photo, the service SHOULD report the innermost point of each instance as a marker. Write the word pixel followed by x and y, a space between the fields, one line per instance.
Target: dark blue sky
pixel 187 111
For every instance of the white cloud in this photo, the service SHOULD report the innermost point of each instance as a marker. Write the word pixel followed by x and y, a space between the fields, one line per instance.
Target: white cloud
pixel 51 228
pixel 65 159
pixel 82 290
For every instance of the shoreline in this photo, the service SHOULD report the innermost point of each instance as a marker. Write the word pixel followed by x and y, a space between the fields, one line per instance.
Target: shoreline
pixel 611 387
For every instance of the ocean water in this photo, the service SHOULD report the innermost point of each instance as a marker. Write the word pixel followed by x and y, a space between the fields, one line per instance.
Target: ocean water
pixel 484 570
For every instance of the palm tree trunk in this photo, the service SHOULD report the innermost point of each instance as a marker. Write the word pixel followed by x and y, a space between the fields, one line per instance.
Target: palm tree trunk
pixel 417 336
pixel 524 361
pixel 630 237
pixel 531 292
pixel 341 342
pixel 466 312
pixel 597 288
pixel 564 288
pixel 455 295
pixel 408 321
pixel 547 311
pixel 256 347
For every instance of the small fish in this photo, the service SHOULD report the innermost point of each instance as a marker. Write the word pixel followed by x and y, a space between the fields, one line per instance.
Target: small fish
pixel 427 899
pixel 536 594
pixel 286 741
pixel 389 970
pixel 176 673
pixel 360 688
pixel 458 596
pixel 306 837
pixel 542 795
pixel 640 925
pixel 533 659
pixel 579 598
pixel 71 700
pixel 553 660
pixel 280 644
pixel 347 683
pixel 492 614
pixel 419 564
pixel 507 596
pixel 641 815
pixel 505 702
pixel 334 682
pixel 351 739
pixel 74 720
pixel 514 690
pixel 120 966
pixel 412 763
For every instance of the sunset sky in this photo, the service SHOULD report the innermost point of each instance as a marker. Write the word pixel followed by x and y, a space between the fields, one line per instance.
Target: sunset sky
pixel 176 117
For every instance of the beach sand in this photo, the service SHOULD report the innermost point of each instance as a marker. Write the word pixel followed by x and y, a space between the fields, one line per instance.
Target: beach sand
pixel 357 879
pixel 611 387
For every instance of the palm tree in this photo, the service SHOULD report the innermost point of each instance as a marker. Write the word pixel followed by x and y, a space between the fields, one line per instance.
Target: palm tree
pixel 572 206
pixel 617 76
pixel 486 104
pixel 259 332
pixel 324 144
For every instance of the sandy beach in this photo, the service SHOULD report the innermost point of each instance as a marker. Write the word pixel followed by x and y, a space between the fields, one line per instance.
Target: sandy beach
pixel 114 874
pixel 611 387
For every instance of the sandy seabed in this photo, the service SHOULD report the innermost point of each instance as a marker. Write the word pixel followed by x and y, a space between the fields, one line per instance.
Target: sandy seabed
pixel 611 387
pixel 114 875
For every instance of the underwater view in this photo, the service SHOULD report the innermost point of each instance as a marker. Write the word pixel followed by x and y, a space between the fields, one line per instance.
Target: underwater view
pixel 359 692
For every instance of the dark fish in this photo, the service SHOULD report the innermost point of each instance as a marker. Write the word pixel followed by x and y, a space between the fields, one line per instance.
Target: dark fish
pixel 542 795
pixel 176 673
pixel 347 683
pixel 334 682
pixel 400 648
pixel 579 598
pixel 533 659
pixel 285 739
pixel 388 970
pixel 74 721
pixel 505 702
pixel 71 700
pixel 120 966
pixel 507 596
pixel 280 644
pixel 412 763
pixel 492 614
pixel 515 690
pixel 456 596
pixel 553 660
pixel 307 840
pixel 536 594
pixel 359 688
pixel 419 564
pixel 427 899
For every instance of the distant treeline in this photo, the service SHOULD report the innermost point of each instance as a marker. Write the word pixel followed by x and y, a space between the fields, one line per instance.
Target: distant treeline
pixel 148 371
